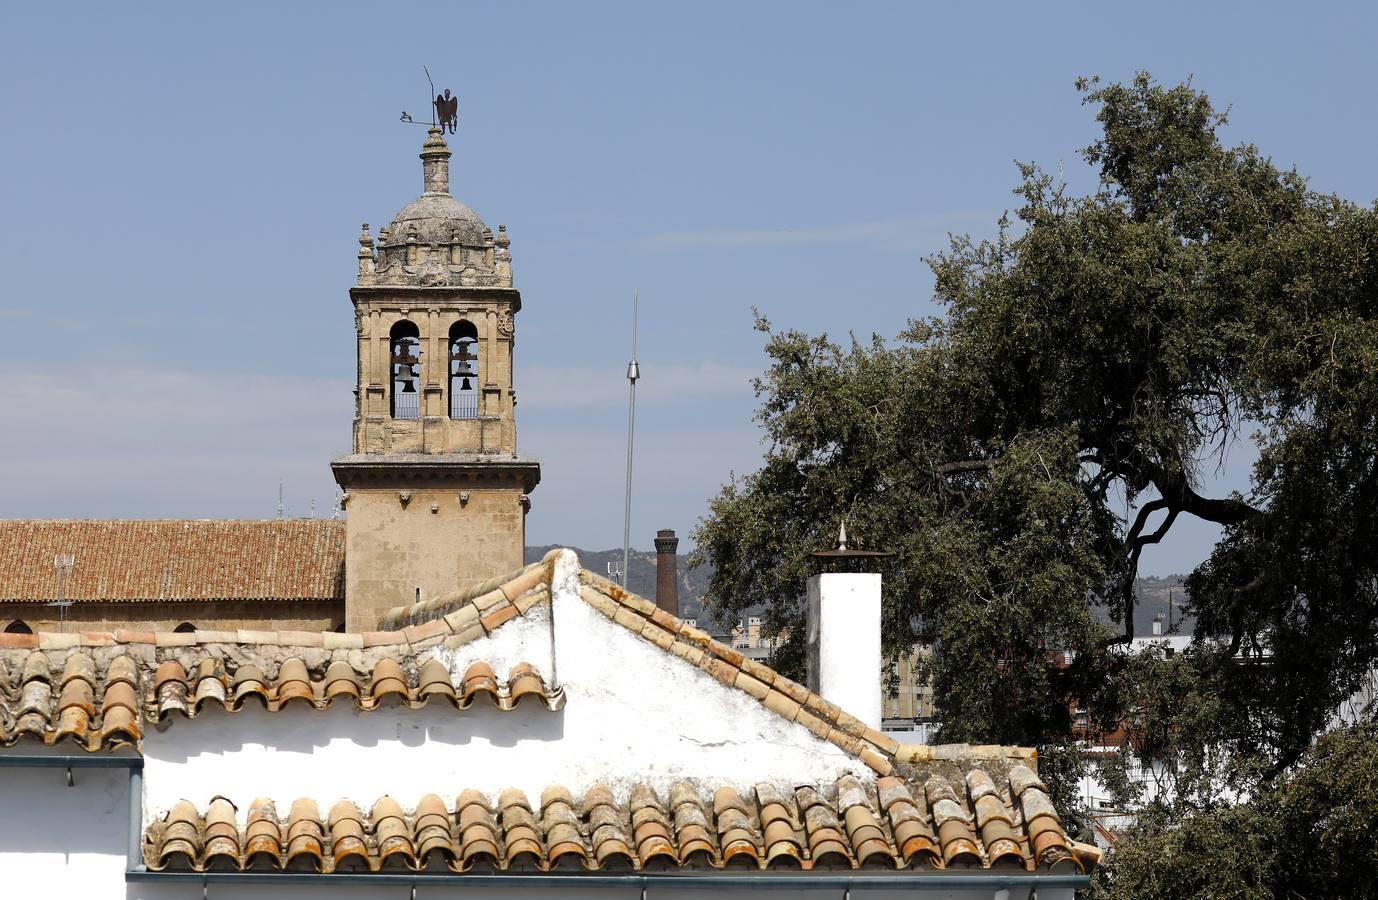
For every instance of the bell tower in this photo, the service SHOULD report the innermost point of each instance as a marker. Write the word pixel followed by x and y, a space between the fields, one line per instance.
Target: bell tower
pixel 435 494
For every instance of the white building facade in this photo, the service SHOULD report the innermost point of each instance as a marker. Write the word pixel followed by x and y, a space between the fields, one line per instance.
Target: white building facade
pixel 544 732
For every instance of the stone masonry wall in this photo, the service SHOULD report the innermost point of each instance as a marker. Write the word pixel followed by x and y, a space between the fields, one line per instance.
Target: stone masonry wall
pixel 434 542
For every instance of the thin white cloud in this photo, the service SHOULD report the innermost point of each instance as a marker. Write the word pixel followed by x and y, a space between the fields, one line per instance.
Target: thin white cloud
pixel 913 233
pixel 134 443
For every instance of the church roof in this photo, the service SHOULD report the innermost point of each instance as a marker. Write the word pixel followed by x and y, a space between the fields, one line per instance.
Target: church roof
pixel 436 219
pixel 436 241
pixel 135 560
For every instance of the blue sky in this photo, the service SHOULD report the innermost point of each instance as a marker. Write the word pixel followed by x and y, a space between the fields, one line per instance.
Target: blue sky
pixel 182 186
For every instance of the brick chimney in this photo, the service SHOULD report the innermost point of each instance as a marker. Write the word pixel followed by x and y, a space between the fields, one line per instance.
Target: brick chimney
pixel 667 576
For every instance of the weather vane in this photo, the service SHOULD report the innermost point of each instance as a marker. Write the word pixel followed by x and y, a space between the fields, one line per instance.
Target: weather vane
pixel 444 109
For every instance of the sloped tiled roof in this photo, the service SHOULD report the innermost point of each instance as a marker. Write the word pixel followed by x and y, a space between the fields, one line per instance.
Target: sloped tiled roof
pixel 132 560
pixel 90 687
pixel 102 707
pixel 954 818
pixel 463 616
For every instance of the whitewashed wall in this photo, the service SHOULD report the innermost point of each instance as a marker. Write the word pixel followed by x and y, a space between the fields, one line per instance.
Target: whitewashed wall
pixel 634 713
pixel 58 841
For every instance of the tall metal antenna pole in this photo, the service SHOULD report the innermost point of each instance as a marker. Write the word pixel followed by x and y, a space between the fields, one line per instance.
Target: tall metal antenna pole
pixel 279 498
pixel 431 99
pixel 633 373
pixel 63 562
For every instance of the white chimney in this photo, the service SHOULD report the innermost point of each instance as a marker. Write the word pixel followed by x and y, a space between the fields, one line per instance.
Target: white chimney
pixel 1157 626
pixel 844 642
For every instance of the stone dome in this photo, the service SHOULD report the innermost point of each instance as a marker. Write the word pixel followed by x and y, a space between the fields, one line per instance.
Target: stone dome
pixel 436 241
pixel 436 219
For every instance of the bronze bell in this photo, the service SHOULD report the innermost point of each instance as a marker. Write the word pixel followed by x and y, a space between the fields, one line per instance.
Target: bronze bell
pixel 463 372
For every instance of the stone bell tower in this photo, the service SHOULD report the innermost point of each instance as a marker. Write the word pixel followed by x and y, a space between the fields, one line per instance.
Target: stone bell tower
pixel 435 494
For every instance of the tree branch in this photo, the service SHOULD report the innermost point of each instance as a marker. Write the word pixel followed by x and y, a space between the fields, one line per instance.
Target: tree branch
pixel 1141 520
pixel 965 465
pixel 1175 489
pixel 1135 542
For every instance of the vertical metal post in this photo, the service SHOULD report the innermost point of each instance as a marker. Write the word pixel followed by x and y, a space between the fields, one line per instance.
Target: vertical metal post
pixel 633 373
pixel 63 563
pixel 135 858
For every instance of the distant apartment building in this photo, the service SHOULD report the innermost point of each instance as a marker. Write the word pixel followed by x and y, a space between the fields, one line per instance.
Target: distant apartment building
pixel 912 698
pixel 747 637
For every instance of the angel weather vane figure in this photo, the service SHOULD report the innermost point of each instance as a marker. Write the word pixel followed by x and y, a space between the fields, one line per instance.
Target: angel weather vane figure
pixel 447 111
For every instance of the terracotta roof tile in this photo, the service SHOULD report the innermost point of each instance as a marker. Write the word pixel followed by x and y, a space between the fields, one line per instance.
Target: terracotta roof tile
pixel 503 588
pixel 975 822
pixel 131 560
pixel 69 695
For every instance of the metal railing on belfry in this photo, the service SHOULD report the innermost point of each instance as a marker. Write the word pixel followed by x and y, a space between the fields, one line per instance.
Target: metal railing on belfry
pixel 405 405
pixel 464 405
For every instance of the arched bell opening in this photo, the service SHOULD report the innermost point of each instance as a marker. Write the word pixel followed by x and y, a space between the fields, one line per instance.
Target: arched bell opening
pixel 464 371
pixel 405 369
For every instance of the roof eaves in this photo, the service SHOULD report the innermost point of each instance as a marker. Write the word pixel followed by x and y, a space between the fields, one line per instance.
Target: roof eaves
pixel 95 688
pixel 781 695
pixel 920 824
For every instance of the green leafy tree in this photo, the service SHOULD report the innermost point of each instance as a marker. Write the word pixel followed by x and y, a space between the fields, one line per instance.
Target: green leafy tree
pixel 1306 835
pixel 1100 353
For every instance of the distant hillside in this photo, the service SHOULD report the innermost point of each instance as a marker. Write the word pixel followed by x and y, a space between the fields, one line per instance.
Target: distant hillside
pixel 1161 596
pixel 1154 593
pixel 693 584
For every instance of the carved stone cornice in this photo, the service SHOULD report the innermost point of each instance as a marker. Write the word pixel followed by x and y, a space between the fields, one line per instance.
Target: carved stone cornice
pixel 421 296
pixel 414 470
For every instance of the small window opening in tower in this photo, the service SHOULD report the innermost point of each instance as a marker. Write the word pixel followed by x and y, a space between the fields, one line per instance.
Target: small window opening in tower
pixel 464 370
pixel 18 626
pixel 406 370
pixel 184 628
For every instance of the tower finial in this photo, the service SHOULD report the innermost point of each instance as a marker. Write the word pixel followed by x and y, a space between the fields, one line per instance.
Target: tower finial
pixel 366 258
pixel 435 163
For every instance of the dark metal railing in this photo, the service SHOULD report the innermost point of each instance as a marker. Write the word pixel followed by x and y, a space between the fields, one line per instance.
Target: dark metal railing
pixel 463 404
pixel 405 405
